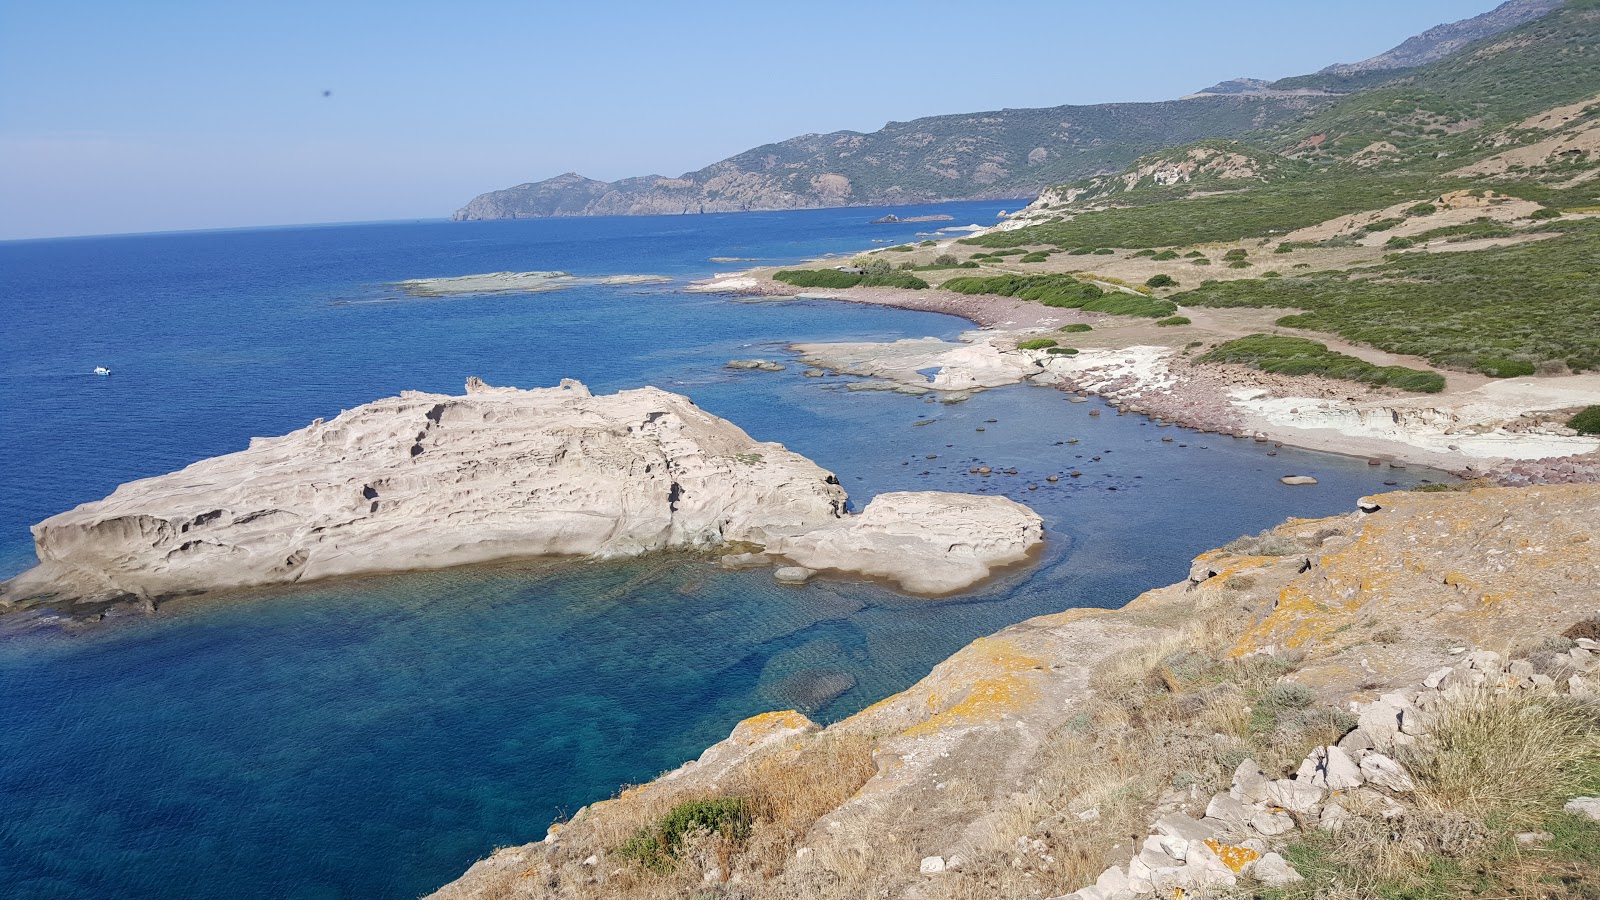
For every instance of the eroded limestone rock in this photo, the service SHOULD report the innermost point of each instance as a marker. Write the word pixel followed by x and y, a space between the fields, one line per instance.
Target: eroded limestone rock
pixel 429 480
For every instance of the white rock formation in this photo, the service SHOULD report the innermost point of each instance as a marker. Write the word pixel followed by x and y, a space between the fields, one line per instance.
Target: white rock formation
pixel 927 542
pixel 430 480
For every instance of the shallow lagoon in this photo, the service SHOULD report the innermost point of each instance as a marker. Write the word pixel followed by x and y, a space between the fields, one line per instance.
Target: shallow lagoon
pixel 372 738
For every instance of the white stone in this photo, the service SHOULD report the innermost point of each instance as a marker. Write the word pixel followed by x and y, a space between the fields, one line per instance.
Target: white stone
pixel 1437 679
pixel 928 542
pixel 1271 824
pixel 1331 768
pixel 425 481
pixel 1589 644
pixel 1584 806
pixel 1228 810
pixel 1274 871
pixel 592 861
pixel 1300 796
pixel 1181 826
pixel 1297 479
pixel 1484 661
pixel 804 853
pixel 1249 782
pixel 1386 772
pixel 1112 880
pixel 1333 817
pixel 932 865
pixel 793 575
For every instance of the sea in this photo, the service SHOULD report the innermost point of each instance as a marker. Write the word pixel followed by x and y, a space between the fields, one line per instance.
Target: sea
pixel 372 738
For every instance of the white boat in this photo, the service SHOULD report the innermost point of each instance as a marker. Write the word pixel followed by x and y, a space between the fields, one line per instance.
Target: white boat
pixel 101 370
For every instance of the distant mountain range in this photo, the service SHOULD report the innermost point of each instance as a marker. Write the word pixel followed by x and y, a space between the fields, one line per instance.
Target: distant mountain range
pixel 985 155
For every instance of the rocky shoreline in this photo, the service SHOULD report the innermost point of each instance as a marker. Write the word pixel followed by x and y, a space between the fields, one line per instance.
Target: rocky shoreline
pixel 1288 689
pixel 1226 400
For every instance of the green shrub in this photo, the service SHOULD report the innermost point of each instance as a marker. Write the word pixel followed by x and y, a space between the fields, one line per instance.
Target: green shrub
pixel 1128 305
pixel 1037 344
pixel 1173 320
pixel 1202 261
pixel 946 259
pixel 1104 251
pixel 1080 251
pixel 1075 328
pixel 1271 274
pixel 927 243
pixel 1015 251
pixel 1299 356
pixel 1497 367
pixel 1285 247
pixel 1165 255
pixel 1586 422
pixel 901 248
pixel 823 278
pixel 1034 258
pixel 969 264
pixel 1235 253
pixel 1062 351
pixel 1537 301
pixel 1142 253
pixel 658 848
pixel 1239 264
pixel 903 280
pixel 1422 209
pixel 1383 224
pixel 1159 281
pixel 1540 214
pixel 1399 243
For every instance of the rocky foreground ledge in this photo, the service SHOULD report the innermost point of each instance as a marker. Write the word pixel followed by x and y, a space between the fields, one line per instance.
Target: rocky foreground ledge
pixel 426 481
pixel 1400 701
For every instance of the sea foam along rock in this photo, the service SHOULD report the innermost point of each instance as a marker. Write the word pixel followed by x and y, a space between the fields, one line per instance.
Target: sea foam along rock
pixel 927 542
pixel 430 480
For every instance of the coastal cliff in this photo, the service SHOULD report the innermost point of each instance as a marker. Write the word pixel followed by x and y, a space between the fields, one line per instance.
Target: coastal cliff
pixel 1356 697
pixel 425 481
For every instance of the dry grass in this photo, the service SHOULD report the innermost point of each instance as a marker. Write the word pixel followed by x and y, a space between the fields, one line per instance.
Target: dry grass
pixel 1505 757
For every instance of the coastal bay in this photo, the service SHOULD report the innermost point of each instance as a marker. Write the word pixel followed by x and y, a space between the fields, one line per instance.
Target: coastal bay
pixel 495 698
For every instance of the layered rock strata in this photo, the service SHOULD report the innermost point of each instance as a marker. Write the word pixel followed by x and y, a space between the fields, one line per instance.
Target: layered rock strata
pixel 429 480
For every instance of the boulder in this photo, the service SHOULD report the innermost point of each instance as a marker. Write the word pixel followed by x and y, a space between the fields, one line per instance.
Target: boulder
pixel 793 575
pixel 1386 772
pixel 931 865
pixel 1297 479
pixel 424 481
pixel 1274 871
pixel 1329 768
pixel 925 542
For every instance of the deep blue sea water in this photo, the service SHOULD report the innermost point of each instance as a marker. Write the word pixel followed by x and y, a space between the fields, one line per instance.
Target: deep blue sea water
pixel 373 738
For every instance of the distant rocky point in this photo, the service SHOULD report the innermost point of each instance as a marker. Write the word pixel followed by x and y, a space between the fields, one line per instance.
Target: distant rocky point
pixel 892 219
pixel 425 481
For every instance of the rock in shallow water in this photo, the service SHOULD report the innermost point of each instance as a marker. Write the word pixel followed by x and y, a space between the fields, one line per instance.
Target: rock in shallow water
pixel 429 480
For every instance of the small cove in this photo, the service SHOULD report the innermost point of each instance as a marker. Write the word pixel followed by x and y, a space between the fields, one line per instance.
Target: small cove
pixel 373 738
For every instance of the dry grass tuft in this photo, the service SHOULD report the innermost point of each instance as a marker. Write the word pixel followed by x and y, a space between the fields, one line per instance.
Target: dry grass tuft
pixel 1505 756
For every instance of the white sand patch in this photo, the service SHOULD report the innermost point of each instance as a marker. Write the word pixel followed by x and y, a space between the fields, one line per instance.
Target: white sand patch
pixel 1488 422
pixel 1129 372
pixel 973 364
pixel 720 284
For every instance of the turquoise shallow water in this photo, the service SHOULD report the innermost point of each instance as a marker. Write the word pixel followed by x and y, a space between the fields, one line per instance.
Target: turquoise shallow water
pixel 372 738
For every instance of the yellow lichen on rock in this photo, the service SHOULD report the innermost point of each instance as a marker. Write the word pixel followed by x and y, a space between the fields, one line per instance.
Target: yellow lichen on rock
pixel 1006 689
pixel 1235 858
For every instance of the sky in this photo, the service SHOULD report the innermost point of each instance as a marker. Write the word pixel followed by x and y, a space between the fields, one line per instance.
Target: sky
pixel 156 116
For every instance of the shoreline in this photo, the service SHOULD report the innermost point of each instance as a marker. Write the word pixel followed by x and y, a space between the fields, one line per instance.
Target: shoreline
pixel 1209 399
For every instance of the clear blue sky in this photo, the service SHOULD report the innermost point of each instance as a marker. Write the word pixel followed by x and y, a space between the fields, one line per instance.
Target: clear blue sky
pixel 138 116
